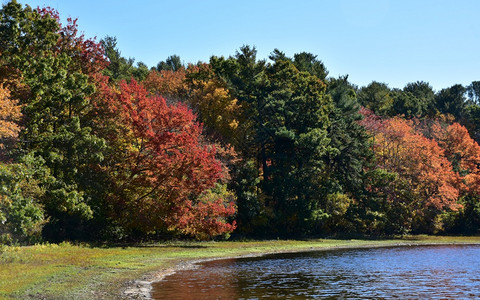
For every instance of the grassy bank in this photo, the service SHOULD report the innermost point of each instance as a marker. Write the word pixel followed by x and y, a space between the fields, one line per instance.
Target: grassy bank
pixel 66 271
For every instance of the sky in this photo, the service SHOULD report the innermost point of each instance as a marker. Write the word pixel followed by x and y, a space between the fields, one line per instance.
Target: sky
pixel 395 42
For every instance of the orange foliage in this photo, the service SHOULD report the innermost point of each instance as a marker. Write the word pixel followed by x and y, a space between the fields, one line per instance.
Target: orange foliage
pixel 169 84
pixel 10 115
pixel 417 160
pixel 464 153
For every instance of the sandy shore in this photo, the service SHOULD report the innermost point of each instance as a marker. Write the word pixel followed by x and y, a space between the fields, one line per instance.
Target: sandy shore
pixel 141 288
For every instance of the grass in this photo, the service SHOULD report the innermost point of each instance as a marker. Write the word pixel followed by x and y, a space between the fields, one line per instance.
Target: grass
pixel 67 271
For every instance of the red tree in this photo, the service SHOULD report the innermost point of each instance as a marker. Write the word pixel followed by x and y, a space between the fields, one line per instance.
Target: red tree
pixel 161 169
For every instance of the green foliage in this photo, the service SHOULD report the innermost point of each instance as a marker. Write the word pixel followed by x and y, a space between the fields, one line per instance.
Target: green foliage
pixel 141 71
pixel 416 100
pixel 473 92
pixel 284 135
pixel 21 197
pixel 369 213
pixel 294 137
pixel 250 215
pixel 119 68
pixel 377 97
pixel 451 100
pixel 471 120
pixel 172 63
pixel 464 220
pixel 308 62
pixel 351 141
pixel 331 216
pixel 57 130
pixel 246 80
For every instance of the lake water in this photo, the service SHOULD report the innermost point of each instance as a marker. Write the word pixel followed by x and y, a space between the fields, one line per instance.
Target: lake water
pixel 442 272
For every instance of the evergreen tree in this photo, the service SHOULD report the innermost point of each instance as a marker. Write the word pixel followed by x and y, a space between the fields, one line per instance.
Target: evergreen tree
pixel 351 156
pixel 377 97
pixel 451 100
pixel 119 67
pixel 57 67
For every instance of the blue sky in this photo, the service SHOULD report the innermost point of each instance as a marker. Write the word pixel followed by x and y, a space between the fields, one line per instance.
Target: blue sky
pixel 395 42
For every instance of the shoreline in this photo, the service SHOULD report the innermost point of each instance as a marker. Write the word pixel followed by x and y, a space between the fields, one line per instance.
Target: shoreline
pixel 142 288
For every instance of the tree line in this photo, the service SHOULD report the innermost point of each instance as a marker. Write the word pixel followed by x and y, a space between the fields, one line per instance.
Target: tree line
pixel 96 147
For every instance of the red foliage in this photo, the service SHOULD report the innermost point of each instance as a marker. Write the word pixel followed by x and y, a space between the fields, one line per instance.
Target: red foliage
pixel 162 167
pixel 87 52
pixel 206 219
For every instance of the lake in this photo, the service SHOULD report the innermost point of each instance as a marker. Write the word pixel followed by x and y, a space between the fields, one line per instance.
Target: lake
pixel 397 272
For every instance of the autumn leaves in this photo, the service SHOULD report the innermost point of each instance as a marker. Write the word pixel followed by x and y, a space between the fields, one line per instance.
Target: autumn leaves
pixel 100 149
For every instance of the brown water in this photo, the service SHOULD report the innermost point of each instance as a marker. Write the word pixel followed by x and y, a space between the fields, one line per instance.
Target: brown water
pixel 433 272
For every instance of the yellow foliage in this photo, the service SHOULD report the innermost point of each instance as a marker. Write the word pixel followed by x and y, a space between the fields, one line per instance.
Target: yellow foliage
pixel 217 109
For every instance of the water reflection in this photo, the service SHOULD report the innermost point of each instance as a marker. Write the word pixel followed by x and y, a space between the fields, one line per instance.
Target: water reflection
pixel 403 272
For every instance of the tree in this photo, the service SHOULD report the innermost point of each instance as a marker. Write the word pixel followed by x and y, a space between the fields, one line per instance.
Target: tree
pixel 58 67
pixel 377 97
pixel 160 172
pixel 426 184
pixel 464 154
pixel 119 67
pixel 21 196
pixel 172 63
pixel 214 104
pixel 293 135
pixel 350 157
pixel 473 92
pixel 10 115
pixel 141 71
pixel 246 81
pixel 282 138
pixel 347 136
pixel 471 113
pixel 471 120
pixel 168 84
pixel 308 62
pixel 416 100
pixel 451 100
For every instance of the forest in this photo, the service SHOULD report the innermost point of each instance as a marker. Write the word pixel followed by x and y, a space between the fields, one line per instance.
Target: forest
pixel 96 147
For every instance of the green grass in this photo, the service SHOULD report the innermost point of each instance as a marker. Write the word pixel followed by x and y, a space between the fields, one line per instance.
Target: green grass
pixel 68 271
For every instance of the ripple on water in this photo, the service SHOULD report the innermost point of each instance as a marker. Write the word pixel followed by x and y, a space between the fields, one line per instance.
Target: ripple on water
pixel 399 272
